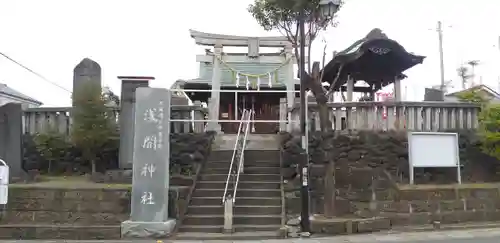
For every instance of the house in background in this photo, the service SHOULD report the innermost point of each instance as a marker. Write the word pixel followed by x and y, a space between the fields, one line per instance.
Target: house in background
pixel 488 92
pixel 9 95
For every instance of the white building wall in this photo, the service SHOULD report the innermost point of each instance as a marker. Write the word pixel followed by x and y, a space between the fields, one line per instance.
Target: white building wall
pixel 25 104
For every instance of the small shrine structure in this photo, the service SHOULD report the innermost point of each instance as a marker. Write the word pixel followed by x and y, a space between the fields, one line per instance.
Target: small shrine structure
pixel 374 59
pixel 253 70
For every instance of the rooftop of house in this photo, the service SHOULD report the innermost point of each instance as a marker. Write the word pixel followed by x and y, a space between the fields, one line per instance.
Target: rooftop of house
pixel 8 91
pixel 483 87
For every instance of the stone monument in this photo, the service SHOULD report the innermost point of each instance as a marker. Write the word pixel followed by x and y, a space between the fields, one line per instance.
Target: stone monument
pixel 87 71
pixel 127 104
pixel 11 138
pixel 151 157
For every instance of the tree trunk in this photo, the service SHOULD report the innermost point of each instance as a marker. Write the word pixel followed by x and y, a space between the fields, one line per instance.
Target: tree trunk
pixel 314 84
pixel 326 125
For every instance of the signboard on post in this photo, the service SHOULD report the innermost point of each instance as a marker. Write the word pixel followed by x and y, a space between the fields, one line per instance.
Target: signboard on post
pixel 433 149
pixel 4 182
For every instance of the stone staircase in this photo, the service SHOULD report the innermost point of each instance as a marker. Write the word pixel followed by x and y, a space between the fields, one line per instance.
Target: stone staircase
pixel 257 208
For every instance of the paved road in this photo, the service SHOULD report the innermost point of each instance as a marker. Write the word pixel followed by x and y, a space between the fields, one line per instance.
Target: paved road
pixel 462 236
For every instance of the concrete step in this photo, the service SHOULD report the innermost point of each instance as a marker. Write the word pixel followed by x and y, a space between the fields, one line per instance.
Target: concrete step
pixel 275 193
pixel 248 170
pixel 253 229
pixel 240 201
pixel 269 142
pixel 247 163
pixel 243 177
pixel 220 156
pixel 214 219
pixel 262 155
pixel 241 185
pixel 253 155
pixel 238 209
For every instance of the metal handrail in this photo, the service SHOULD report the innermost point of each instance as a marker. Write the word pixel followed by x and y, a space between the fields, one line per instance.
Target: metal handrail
pixel 235 152
pixel 238 153
pixel 242 155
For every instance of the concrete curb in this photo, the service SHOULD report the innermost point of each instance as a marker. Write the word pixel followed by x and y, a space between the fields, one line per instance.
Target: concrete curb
pixel 414 229
pixel 427 228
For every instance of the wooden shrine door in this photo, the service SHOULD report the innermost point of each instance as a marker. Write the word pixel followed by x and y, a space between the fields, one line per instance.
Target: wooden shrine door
pixel 268 112
pixel 266 107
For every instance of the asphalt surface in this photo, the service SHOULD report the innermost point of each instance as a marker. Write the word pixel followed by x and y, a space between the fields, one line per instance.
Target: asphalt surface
pixel 457 236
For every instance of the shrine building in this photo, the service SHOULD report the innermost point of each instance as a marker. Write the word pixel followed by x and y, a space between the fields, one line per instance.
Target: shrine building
pixel 375 59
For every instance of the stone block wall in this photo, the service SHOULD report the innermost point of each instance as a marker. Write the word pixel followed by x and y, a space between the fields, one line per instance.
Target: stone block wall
pixel 69 206
pixel 356 173
pixel 88 213
pixel 446 206
pixel 388 150
pixel 372 166
pixel 94 209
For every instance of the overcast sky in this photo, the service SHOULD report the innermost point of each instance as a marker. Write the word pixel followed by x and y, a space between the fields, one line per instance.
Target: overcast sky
pixel 151 37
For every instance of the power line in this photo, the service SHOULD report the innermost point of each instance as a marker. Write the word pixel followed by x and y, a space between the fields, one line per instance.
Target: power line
pixel 35 73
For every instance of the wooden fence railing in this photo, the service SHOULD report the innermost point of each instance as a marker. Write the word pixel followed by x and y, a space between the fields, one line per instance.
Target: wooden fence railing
pixel 414 116
pixel 40 120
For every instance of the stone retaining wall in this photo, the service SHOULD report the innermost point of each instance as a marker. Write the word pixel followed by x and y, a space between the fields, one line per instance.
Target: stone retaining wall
pixel 93 209
pixel 430 205
pixel 55 213
pixel 370 170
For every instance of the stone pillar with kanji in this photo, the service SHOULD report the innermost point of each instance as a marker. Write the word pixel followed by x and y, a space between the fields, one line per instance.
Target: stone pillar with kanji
pixel 149 217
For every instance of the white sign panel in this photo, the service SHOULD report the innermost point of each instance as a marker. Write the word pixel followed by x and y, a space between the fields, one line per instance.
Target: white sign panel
pixel 4 194
pixel 4 182
pixel 4 175
pixel 433 149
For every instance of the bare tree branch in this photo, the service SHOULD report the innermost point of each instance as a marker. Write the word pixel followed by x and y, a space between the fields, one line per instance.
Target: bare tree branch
pixel 323 60
pixel 330 90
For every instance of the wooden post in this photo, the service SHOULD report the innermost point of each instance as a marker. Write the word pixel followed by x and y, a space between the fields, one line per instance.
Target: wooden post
pixel 397 89
pixel 350 89
pixel 397 98
pixel 283 114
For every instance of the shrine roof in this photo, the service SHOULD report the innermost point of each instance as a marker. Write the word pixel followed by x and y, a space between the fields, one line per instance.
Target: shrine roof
pixel 373 59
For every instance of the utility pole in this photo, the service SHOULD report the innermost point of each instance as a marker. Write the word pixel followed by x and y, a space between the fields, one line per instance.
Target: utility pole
pixel 441 58
pixel 305 224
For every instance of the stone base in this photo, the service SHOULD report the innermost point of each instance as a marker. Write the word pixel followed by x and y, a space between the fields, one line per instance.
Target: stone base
pixel 147 230
pixel 339 225
pixel 214 126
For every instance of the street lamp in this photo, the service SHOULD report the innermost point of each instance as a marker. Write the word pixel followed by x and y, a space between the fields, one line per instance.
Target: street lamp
pixel 327 9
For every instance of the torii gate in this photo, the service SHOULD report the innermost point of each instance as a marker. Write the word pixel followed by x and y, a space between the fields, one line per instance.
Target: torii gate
pixel 218 41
